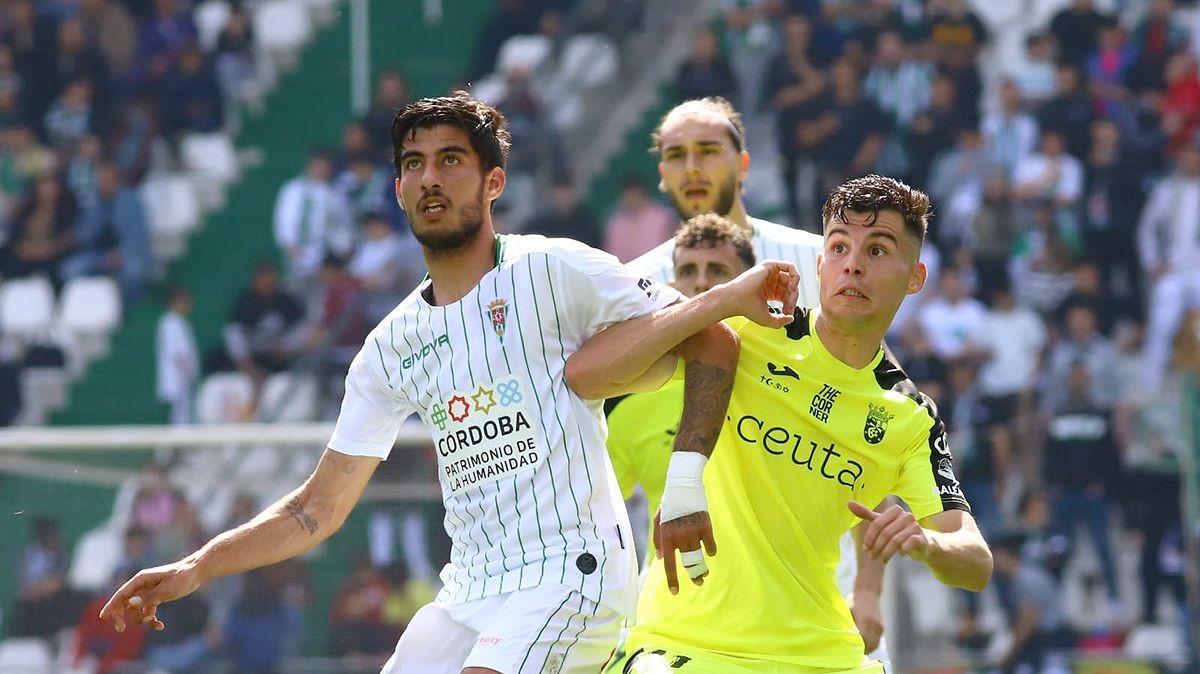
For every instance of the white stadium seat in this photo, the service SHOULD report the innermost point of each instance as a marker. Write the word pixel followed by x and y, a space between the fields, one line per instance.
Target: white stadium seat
pixel 281 28
pixel 96 558
pixel 25 656
pixel 173 211
pixel 26 306
pixel 211 160
pixel 226 397
pixel 288 397
pixel 210 17
pixel 523 53
pixel 89 311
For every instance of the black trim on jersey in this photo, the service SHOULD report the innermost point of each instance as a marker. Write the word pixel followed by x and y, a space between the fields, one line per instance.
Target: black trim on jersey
pixel 891 377
pixel 610 404
pixel 798 328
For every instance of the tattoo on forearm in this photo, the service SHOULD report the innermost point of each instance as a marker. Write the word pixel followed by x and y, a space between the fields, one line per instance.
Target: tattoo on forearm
pixel 296 510
pixel 706 390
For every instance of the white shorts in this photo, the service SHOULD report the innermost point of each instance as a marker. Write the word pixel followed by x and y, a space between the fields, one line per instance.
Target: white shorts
pixel 548 629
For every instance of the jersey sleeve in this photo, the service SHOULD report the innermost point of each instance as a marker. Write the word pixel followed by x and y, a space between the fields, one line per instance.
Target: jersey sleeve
pixel 602 291
pixel 371 411
pixel 926 481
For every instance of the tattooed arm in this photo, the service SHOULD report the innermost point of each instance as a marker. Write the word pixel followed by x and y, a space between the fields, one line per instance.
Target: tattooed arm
pixel 292 525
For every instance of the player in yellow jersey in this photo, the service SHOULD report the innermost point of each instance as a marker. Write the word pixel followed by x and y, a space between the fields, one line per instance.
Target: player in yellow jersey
pixel 821 426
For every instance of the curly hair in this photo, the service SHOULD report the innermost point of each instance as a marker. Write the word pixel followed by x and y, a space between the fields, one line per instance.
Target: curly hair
pixel 874 193
pixel 483 124
pixel 710 230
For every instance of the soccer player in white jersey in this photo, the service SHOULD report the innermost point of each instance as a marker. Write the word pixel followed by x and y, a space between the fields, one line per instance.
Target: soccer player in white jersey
pixel 703 164
pixel 542 569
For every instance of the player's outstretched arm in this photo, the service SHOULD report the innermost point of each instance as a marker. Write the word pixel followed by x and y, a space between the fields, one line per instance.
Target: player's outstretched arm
pixel 292 525
pixel 617 360
pixel 949 543
pixel 865 600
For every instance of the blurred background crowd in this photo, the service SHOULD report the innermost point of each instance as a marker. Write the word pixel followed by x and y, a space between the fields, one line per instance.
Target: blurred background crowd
pixel 1059 142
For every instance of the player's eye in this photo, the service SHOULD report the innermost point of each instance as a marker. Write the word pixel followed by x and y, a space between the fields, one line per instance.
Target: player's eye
pixel 451 160
pixel 878 251
pixel 838 248
pixel 412 164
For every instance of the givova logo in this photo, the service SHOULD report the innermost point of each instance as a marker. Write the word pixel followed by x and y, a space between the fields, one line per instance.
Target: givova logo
pixel 424 350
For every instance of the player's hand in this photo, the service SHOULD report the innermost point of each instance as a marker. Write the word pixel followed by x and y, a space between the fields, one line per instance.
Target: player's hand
pixel 138 599
pixel 770 281
pixel 868 618
pixel 684 534
pixel 891 531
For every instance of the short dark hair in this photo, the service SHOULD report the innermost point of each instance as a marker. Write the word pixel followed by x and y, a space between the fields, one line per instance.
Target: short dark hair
pixel 717 104
pixel 483 124
pixel 710 230
pixel 874 193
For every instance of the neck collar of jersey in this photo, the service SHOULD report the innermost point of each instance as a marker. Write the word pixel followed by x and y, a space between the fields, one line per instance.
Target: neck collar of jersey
pixel 427 282
pixel 834 363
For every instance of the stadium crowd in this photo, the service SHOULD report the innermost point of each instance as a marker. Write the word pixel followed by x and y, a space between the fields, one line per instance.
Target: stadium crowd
pixel 1063 308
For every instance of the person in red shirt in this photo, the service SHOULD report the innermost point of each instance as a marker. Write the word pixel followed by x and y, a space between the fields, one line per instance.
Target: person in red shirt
pixel 99 639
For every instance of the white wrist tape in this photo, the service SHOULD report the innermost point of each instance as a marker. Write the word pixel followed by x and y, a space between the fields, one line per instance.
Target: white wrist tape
pixel 684 490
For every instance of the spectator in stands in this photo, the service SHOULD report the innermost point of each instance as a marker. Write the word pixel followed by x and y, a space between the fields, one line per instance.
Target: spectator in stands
pixel 42 231
pixel 794 82
pixel 707 71
pixel 1089 291
pixel 357 625
pixel 256 632
pixel 1076 28
pixel 98 646
pixel 1070 111
pixel 848 131
pixel 177 358
pixel 950 319
pixel 110 28
pixel 343 324
pixel 391 92
pixel 1080 343
pixel 383 266
pixel 956 183
pixel 935 129
pixel 161 38
pixel 258 338
pixel 1169 246
pixel 191 97
pixel 1034 74
pixel 187 647
pixel 137 552
pixel 311 219
pixel 983 463
pixel 511 17
pixel 1009 342
pixel 639 223
pixel 233 57
pixel 992 232
pixel 1113 195
pixel 364 185
pixel 83 169
pixel 1050 174
pixel 67 61
pixel 70 117
pixel 1010 133
pixel 1108 67
pixel 111 234
pixel 1042 262
pixel 900 83
pixel 1037 620
pixel 45 604
pixel 136 140
pixel 156 501
pixel 1181 102
pixel 1082 465
pixel 1155 37
pixel 567 215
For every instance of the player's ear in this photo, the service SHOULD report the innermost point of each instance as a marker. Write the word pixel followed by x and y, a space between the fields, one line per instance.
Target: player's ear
pixel 662 180
pixel 917 280
pixel 744 166
pixel 399 194
pixel 493 184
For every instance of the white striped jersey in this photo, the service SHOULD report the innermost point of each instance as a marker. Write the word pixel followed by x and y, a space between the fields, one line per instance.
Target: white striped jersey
pixel 770 241
pixel 529 491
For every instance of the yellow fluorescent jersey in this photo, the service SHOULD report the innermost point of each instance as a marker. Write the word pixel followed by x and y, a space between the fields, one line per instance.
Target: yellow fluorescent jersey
pixel 804 434
pixel 641 436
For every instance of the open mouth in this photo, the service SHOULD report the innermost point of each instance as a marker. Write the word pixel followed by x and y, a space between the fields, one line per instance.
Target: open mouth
pixel 695 192
pixel 852 292
pixel 433 207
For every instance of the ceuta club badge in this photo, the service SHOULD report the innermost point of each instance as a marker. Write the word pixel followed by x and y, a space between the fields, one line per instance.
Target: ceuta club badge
pixel 877 423
pixel 498 312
